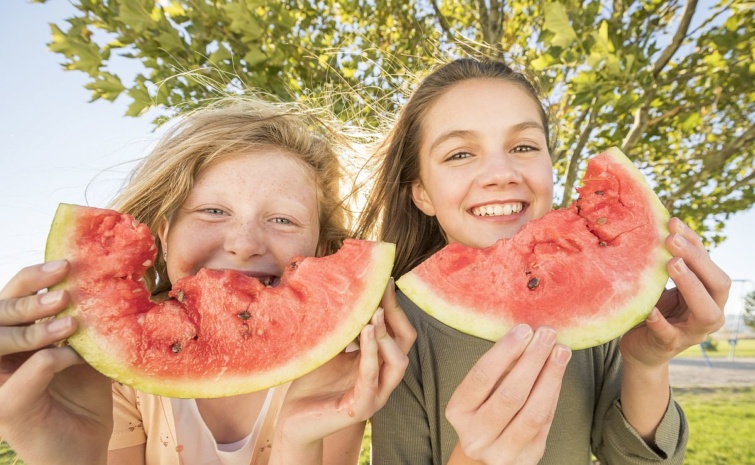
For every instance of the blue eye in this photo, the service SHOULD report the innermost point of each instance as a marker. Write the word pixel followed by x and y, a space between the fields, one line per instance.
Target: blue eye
pixel 214 211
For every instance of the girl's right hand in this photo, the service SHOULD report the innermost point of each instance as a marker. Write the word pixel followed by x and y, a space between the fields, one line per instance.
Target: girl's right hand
pixel 55 408
pixel 504 407
pixel 322 420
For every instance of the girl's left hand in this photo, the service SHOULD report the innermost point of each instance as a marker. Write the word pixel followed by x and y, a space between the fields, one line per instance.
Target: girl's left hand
pixel 686 314
pixel 347 390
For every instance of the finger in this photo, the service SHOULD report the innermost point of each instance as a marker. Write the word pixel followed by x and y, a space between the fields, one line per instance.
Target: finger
pixel 516 388
pixel 17 339
pixel 28 385
pixel 33 278
pixel 32 308
pixel 398 325
pixel 394 360
pixel 477 385
pixel 663 332
pixel 685 244
pixel 360 404
pixel 707 312
pixel 537 413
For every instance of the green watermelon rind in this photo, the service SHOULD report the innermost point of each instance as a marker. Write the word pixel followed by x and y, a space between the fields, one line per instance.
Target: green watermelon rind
pixel 594 329
pixel 95 349
pixel 58 243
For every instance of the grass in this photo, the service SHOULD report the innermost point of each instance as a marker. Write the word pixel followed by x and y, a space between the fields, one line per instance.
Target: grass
pixel 721 349
pixel 720 423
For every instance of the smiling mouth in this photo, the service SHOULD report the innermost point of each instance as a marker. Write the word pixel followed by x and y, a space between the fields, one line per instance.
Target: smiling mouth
pixel 500 209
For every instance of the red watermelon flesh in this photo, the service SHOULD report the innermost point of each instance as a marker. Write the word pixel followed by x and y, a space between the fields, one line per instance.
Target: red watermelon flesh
pixel 221 333
pixel 591 271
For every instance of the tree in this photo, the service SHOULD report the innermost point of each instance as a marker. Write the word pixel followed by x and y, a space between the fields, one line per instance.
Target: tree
pixel 749 315
pixel 670 82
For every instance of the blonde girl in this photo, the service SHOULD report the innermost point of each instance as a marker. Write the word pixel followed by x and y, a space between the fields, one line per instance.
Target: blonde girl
pixel 468 161
pixel 242 185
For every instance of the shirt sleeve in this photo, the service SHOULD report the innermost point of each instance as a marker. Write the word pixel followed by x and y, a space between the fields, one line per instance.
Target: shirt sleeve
pixel 619 442
pixel 128 428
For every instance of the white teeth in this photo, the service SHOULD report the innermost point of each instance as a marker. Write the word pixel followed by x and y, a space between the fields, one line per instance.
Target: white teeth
pixel 498 210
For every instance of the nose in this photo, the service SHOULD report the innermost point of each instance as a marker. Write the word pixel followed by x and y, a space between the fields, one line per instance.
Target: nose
pixel 245 239
pixel 497 170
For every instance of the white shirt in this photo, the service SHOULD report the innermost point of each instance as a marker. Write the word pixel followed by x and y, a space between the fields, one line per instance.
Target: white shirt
pixel 199 446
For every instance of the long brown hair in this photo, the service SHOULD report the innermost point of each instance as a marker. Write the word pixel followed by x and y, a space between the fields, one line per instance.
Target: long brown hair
pixel 162 181
pixel 389 207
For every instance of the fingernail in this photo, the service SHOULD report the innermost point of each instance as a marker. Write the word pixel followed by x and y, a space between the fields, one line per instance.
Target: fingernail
pixel 680 266
pixel 59 325
pixel 52 267
pixel 679 241
pixel 50 298
pixel 379 315
pixel 546 335
pixel 653 316
pixel 523 332
pixel 562 355
pixel 369 332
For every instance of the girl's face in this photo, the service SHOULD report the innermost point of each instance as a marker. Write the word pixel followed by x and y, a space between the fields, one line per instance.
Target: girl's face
pixel 485 169
pixel 251 212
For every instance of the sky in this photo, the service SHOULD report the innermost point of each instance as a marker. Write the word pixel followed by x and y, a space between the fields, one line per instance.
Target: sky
pixel 59 147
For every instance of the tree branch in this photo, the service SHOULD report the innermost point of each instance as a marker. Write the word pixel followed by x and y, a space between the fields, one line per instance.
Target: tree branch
pixel 442 19
pixel 575 134
pixel 712 163
pixel 571 171
pixel 639 125
pixel 679 36
pixel 717 160
pixel 746 181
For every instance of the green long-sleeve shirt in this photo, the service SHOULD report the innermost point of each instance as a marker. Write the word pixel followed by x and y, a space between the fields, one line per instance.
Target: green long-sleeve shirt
pixel 412 429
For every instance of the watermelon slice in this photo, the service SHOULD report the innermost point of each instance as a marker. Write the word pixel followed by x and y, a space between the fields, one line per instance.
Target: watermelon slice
pixel 591 271
pixel 221 333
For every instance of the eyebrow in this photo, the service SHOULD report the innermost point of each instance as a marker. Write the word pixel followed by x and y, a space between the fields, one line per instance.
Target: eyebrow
pixel 523 126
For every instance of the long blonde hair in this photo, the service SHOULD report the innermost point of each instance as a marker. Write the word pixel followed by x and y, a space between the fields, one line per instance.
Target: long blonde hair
pixel 389 212
pixel 162 181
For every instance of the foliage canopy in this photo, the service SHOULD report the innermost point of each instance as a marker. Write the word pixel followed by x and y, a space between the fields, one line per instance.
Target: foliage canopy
pixel 670 82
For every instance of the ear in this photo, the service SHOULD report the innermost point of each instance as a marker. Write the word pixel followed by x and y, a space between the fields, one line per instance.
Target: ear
pixel 421 199
pixel 162 233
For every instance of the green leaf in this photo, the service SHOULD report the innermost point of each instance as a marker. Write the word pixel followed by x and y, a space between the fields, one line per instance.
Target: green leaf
pixel 255 57
pixel 141 99
pixel 557 21
pixel 138 15
pixel 106 86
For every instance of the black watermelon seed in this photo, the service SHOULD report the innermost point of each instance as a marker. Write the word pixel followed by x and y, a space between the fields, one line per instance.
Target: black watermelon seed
pixel 244 315
pixel 533 283
pixel 598 192
pixel 176 347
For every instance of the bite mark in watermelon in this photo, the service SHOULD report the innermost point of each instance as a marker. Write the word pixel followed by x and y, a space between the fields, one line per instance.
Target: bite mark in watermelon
pixel 591 271
pixel 221 333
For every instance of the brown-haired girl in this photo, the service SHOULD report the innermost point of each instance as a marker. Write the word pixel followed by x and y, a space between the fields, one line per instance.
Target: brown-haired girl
pixel 468 161
pixel 243 185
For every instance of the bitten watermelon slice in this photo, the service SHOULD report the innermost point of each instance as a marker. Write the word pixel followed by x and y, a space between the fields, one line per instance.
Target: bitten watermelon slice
pixel 221 333
pixel 591 271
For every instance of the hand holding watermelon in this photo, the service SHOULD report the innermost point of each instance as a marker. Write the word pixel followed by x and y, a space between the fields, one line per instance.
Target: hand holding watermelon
pixel 504 407
pixel 346 391
pixel 53 404
pixel 686 314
